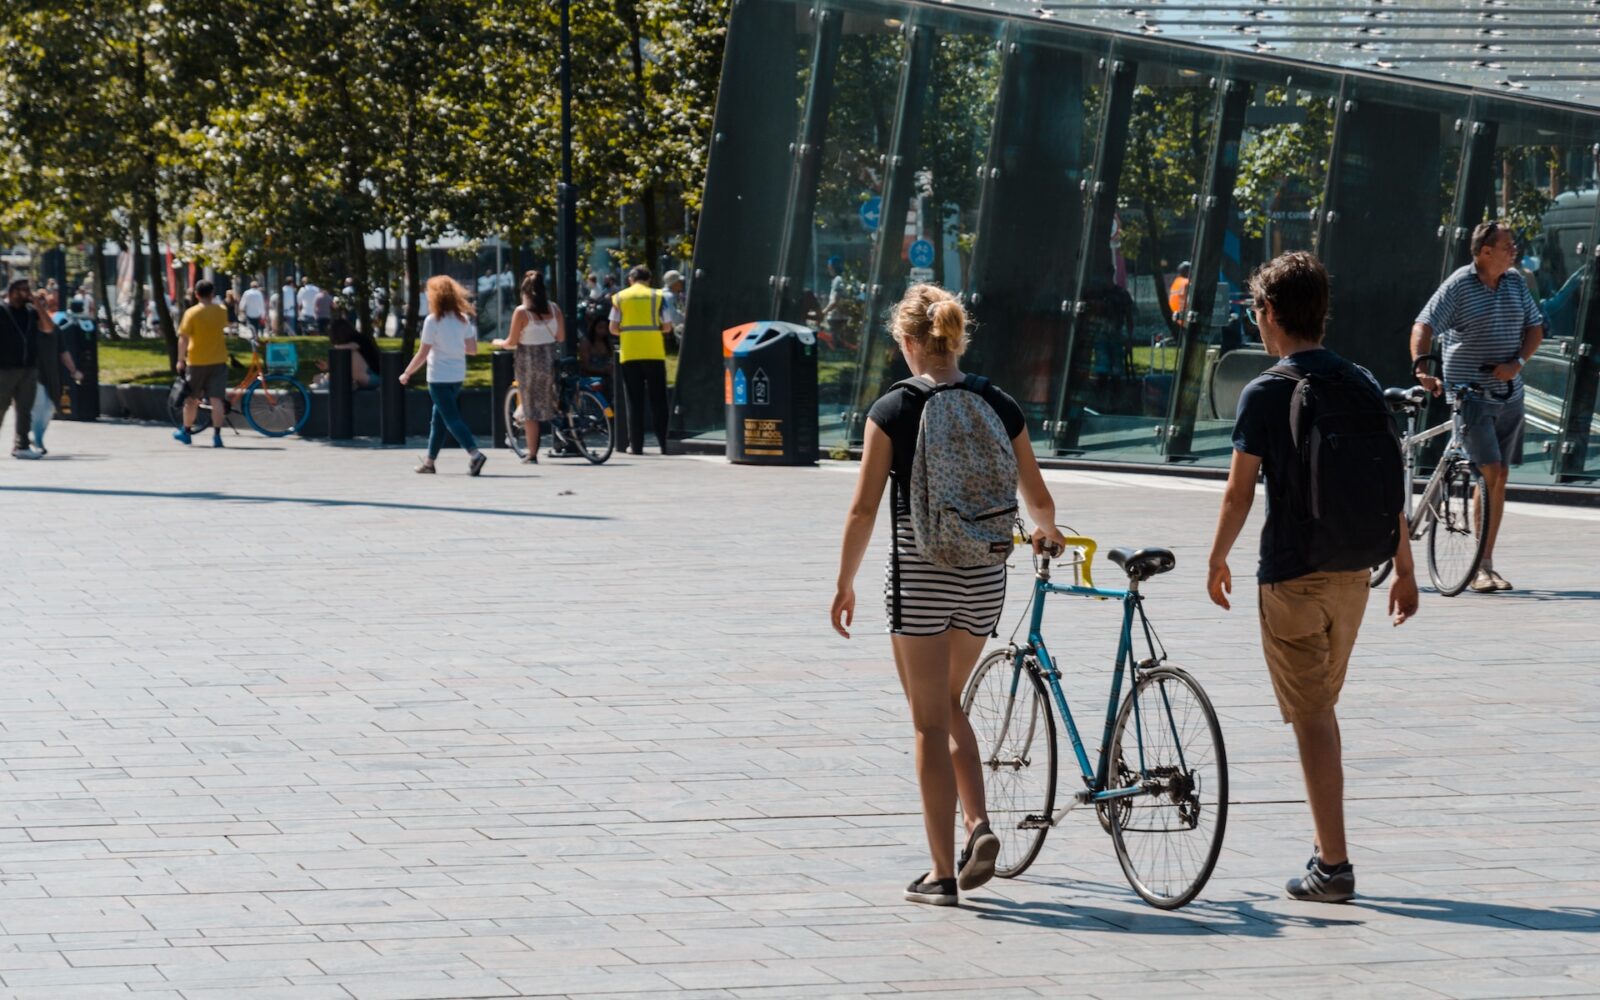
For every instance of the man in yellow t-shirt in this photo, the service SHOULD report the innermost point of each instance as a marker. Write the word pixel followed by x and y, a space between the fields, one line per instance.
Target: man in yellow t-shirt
pixel 203 361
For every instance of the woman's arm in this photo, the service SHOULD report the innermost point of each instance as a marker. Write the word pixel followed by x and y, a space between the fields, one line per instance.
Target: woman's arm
pixel 519 319
pixel 561 323
pixel 1035 494
pixel 416 362
pixel 876 457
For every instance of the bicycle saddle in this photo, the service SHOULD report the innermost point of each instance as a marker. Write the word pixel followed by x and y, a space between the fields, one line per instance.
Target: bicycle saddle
pixel 1142 564
pixel 1400 398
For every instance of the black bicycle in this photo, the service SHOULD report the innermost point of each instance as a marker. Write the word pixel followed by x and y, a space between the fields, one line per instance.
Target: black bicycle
pixel 584 424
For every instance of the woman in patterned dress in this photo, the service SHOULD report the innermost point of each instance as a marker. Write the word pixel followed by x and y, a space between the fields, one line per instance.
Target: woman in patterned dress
pixel 536 328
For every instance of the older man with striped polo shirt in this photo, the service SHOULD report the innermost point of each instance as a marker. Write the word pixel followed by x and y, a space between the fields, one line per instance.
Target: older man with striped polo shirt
pixel 1488 326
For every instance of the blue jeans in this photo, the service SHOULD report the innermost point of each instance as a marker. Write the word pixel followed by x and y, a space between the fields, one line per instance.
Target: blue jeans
pixel 447 416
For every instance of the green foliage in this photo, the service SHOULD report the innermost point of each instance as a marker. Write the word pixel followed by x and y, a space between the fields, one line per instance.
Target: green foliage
pixel 1282 166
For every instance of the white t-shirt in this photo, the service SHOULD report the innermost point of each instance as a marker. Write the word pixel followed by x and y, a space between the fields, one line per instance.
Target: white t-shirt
pixel 253 303
pixel 447 338
pixel 286 300
pixel 308 299
pixel 538 331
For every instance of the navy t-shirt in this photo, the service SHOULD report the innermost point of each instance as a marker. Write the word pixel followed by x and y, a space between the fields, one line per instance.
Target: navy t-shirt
pixel 1262 430
pixel 898 413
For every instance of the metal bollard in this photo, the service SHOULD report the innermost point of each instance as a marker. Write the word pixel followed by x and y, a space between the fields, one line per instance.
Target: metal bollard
pixel 392 405
pixel 341 397
pixel 502 372
pixel 86 395
pixel 619 403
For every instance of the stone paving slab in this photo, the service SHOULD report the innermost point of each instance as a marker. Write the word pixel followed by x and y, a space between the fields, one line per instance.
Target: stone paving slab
pixel 288 721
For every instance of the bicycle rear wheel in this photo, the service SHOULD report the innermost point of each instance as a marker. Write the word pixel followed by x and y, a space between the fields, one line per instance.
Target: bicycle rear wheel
pixel 1167 838
pixel 202 417
pixel 276 405
pixel 1009 710
pixel 591 424
pixel 516 433
pixel 1459 530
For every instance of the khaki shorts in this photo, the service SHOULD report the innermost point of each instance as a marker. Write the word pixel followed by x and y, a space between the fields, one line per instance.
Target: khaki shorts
pixel 208 381
pixel 1308 628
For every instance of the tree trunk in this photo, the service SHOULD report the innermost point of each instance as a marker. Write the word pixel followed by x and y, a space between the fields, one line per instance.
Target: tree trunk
pixel 158 280
pixel 628 10
pixel 361 279
pixel 413 316
pixel 100 289
pixel 136 314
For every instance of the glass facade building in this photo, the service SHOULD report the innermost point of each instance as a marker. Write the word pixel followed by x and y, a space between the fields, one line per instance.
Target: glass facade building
pixel 1057 163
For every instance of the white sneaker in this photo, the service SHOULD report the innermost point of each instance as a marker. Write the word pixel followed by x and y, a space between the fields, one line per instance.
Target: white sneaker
pixel 1483 583
pixel 25 453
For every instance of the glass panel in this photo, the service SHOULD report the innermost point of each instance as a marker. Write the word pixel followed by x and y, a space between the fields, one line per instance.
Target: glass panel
pixel 1277 198
pixel 1126 316
pixel 1543 183
pixel 765 66
pixel 1396 165
pixel 946 158
pixel 845 225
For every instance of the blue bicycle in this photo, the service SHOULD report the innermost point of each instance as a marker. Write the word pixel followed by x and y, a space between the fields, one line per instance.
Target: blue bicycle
pixel 1160 782
pixel 584 424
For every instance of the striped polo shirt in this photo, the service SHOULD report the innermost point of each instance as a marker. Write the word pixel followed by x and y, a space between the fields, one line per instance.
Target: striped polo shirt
pixel 1476 326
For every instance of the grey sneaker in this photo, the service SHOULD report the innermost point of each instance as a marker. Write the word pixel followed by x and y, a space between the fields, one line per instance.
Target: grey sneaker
pixel 1323 883
pixel 976 865
pixel 24 453
pixel 1483 583
pixel 476 465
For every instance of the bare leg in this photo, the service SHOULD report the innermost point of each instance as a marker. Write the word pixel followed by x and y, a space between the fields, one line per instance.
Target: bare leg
pixel 219 413
pixel 1321 761
pixel 1494 478
pixel 965 648
pixel 191 410
pixel 924 665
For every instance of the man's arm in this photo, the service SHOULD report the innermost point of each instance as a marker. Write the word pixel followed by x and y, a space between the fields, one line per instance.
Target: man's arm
pixel 1237 499
pixel 1532 337
pixel 1421 344
pixel 1403 592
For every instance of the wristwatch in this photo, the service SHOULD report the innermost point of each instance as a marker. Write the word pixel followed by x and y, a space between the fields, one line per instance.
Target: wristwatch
pixel 1521 361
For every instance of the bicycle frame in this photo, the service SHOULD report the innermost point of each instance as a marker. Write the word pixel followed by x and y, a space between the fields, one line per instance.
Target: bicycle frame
pixel 1096 776
pixel 1420 511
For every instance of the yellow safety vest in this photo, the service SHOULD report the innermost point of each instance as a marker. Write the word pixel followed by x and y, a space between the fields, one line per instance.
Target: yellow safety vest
pixel 641 307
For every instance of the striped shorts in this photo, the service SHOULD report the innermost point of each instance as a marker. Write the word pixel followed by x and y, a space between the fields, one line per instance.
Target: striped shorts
pixel 934 599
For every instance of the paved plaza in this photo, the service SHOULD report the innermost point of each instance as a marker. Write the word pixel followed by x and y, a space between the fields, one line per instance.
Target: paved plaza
pixel 288 722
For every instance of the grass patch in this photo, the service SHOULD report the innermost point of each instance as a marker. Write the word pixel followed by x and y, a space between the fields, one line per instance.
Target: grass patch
pixel 144 362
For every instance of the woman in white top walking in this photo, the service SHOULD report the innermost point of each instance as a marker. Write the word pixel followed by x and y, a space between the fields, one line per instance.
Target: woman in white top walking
pixel 536 328
pixel 449 334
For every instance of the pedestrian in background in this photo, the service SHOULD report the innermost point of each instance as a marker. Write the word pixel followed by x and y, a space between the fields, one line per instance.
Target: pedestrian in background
pixel 322 310
pixel 639 320
pixel 449 334
pixel 203 361
pixel 19 360
pixel 253 307
pixel 537 327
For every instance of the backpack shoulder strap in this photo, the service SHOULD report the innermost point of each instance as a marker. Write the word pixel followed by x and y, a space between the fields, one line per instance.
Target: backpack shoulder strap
pixel 976 383
pixel 1285 370
pixel 915 386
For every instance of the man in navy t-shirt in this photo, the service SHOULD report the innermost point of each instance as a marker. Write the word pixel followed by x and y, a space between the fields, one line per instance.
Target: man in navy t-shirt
pixel 1309 618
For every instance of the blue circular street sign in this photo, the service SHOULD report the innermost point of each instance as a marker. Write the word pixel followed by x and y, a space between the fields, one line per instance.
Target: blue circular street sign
pixel 870 209
pixel 920 254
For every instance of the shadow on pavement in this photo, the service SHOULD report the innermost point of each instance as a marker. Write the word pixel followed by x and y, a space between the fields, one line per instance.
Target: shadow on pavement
pixel 1501 915
pixel 1236 916
pixel 308 501
pixel 1546 595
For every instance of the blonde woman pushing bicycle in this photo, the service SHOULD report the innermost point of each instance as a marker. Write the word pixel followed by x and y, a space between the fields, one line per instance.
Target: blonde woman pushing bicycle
pixel 939 615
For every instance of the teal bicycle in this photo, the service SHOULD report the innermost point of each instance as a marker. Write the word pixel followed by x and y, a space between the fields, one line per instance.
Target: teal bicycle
pixel 1160 782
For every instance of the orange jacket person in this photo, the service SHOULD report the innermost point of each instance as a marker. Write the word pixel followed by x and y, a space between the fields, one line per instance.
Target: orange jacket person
pixel 1175 294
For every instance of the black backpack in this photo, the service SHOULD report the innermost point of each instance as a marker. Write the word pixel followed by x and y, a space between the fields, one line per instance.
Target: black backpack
pixel 1346 491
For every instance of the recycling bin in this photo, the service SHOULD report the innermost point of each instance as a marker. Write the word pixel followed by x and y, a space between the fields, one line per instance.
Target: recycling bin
pixel 770 385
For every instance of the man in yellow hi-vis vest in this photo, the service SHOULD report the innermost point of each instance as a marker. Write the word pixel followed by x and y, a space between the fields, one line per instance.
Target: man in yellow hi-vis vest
pixel 639 320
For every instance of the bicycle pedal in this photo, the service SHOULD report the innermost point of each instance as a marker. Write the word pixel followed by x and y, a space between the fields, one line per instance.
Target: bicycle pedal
pixel 1034 822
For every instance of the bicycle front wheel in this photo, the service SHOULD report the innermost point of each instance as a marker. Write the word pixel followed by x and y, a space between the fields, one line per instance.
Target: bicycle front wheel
pixel 1380 573
pixel 276 405
pixel 1460 518
pixel 1009 711
pixel 1168 836
pixel 516 433
pixel 592 427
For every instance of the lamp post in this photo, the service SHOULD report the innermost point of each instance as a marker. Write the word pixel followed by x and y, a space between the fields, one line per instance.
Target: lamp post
pixel 566 196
